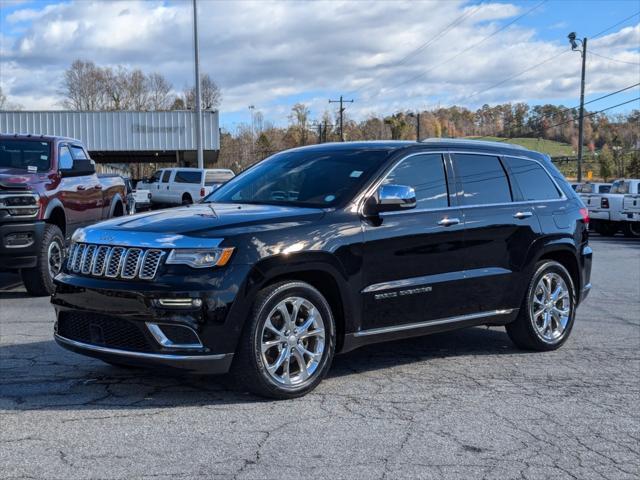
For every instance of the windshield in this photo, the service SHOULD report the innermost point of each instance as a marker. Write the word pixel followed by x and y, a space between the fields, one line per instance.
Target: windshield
pixel 29 155
pixel 307 178
pixel 619 186
pixel 585 188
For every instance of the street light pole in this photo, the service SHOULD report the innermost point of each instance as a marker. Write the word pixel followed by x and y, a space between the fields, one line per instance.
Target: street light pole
pixel 583 52
pixel 198 98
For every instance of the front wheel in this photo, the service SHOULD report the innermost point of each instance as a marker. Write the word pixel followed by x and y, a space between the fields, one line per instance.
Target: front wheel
pixel 39 279
pixel 288 342
pixel 547 313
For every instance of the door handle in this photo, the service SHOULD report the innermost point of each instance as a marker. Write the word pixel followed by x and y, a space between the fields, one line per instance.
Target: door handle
pixel 446 221
pixel 521 215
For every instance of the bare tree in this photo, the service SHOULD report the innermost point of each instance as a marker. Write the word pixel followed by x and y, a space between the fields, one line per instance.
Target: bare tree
pixel 159 92
pixel 83 87
pixel 210 93
pixel 299 117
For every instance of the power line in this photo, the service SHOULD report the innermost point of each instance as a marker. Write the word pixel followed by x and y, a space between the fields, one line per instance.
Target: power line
pixel 471 47
pixel 595 113
pixel 342 109
pixel 614 59
pixel 615 25
pixel 437 36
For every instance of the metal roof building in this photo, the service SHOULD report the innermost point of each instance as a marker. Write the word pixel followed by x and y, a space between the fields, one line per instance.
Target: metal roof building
pixel 124 136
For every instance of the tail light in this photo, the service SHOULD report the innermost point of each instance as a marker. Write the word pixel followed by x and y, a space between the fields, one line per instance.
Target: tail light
pixel 585 215
pixel 202 191
pixel 604 202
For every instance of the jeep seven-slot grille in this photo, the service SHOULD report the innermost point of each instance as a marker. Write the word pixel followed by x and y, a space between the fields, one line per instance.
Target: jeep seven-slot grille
pixel 114 262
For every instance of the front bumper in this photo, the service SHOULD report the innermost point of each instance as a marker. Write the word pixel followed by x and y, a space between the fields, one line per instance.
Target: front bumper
pixel 202 364
pixel 94 315
pixel 23 256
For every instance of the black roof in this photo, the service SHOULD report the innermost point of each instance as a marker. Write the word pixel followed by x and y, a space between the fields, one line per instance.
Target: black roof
pixel 439 143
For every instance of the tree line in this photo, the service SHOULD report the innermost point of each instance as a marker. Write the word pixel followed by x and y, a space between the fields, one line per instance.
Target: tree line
pixel 89 87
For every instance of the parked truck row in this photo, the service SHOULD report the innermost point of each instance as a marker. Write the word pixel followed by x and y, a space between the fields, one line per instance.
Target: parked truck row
pixel 613 207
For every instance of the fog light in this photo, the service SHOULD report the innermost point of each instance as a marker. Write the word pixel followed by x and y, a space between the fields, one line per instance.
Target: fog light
pixel 18 240
pixel 179 302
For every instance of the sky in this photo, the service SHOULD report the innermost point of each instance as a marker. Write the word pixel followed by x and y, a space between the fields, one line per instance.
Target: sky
pixel 385 55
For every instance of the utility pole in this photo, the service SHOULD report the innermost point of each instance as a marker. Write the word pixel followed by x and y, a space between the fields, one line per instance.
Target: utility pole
pixel 197 99
pixel 418 126
pixel 583 52
pixel 342 108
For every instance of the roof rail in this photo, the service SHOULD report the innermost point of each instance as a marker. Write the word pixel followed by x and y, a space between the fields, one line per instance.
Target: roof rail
pixel 473 141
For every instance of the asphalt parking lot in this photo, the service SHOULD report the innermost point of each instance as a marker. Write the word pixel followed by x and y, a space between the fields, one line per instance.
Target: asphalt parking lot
pixel 459 405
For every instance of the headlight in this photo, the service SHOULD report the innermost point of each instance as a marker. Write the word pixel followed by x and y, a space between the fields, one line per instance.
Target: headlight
pixel 21 204
pixel 78 235
pixel 200 258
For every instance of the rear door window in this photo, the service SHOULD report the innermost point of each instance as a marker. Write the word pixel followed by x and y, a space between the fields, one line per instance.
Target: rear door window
pixel 165 176
pixel 481 180
pixel 533 180
pixel 425 173
pixel 185 176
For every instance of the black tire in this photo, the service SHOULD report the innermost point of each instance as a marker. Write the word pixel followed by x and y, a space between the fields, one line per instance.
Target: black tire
pixel 522 331
pixel 118 210
pixel 606 229
pixel 186 199
pixel 631 229
pixel 38 280
pixel 249 371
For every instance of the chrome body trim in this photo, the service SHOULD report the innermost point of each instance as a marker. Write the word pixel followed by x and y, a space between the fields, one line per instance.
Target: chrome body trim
pixel 161 338
pixel 141 355
pixel 430 323
pixel 437 278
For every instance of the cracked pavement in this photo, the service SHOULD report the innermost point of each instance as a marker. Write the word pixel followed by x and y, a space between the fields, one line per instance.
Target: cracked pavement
pixel 464 405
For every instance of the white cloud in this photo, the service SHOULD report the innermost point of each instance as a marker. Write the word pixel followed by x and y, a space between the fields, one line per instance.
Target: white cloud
pixel 272 53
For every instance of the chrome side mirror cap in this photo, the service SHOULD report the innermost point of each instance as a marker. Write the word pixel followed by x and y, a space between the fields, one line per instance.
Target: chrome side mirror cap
pixel 393 198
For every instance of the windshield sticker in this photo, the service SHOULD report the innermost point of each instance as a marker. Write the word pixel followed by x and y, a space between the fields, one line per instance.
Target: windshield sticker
pixel 32 169
pixel 44 143
pixel 329 198
pixel 356 174
pixel 44 157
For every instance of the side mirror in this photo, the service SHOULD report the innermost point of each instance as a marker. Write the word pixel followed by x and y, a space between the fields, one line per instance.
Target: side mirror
pixel 391 198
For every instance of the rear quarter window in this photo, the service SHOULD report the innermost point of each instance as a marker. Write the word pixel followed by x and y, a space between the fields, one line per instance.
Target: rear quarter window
pixel 184 176
pixel 532 179
pixel 482 180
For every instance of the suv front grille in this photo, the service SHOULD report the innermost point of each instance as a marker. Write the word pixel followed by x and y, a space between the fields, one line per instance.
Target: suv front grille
pixel 114 262
pixel 102 330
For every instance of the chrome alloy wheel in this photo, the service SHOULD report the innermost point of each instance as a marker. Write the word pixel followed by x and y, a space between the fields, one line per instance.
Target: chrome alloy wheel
pixel 292 342
pixel 54 258
pixel 551 307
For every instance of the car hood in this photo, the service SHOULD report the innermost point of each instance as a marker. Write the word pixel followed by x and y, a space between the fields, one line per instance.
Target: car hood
pixel 11 178
pixel 206 220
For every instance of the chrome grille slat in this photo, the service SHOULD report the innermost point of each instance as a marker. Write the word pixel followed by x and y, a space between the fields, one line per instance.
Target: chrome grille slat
pixel 114 262
pixel 88 258
pixel 101 259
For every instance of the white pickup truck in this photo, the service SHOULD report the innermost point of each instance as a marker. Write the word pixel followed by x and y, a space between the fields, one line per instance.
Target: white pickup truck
pixel 618 209
pixel 590 192
pixel 182 186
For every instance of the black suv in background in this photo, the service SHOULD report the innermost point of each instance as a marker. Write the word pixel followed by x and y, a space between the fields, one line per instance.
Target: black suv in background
pixel 322 249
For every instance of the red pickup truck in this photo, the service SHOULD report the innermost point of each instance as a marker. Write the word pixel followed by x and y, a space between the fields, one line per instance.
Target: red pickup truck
pixel 48 188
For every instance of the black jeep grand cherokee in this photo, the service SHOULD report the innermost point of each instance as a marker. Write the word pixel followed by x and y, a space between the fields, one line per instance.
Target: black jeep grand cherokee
pixel 322 249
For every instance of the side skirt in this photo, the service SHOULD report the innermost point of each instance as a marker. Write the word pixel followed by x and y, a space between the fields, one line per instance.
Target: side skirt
pixel 396 332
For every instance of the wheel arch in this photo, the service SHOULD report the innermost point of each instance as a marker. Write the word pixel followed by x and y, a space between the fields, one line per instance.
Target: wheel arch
pixel 55 215
pixel 321 270
pixel 564 253
pixel 115 202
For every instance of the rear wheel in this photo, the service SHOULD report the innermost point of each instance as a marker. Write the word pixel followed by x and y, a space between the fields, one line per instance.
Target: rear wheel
pixel 547 313
pixel 186 199
pixel 288 343
pixel 39 279
pixel 607 229
pixel 631 229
